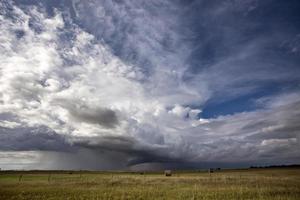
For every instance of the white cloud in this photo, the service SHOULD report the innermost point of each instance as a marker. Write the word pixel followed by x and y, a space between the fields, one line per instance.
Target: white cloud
pixel 41 90
pixel 278 142
pixel 57 75
pixel 9 124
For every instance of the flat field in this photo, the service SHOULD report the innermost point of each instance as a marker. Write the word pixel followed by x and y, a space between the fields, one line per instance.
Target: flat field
pixel 255 184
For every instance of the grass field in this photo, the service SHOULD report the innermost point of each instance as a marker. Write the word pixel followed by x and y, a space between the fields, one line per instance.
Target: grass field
pixel 225 184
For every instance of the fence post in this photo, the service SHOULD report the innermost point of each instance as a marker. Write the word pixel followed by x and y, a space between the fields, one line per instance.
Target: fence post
pixel 20 177
pixel 49 178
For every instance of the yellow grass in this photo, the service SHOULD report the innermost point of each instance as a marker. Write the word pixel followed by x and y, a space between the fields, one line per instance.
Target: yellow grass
pixel 226 184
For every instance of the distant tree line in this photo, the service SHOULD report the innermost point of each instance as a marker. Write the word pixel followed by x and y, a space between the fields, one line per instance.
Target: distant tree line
pixel 276 166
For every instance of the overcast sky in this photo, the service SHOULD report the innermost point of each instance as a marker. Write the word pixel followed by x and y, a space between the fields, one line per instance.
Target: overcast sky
pixel 149 84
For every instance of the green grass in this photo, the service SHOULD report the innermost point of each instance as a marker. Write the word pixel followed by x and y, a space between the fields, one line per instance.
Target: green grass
pixel 278 184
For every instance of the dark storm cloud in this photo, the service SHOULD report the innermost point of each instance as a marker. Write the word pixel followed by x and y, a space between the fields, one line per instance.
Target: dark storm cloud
pixel 101 116
pixel 28 139
pixel 129 148
pixel 256 137
pixel 110 143
pixel 111 84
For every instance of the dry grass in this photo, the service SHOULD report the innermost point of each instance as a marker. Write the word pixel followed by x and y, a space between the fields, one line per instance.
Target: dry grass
pixel 228 184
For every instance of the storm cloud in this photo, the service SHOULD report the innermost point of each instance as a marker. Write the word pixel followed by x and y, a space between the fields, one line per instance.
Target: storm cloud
pixel 127 84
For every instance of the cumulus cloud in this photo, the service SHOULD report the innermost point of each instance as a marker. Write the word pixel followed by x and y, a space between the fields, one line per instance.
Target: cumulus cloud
pixel 111 84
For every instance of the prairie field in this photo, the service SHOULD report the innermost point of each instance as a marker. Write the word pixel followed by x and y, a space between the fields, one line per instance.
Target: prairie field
pixel 275 184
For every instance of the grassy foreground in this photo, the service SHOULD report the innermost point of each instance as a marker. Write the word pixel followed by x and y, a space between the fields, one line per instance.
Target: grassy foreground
pixel 225 184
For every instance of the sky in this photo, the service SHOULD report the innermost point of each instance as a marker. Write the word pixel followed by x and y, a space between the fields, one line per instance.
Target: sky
pixel 149 84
